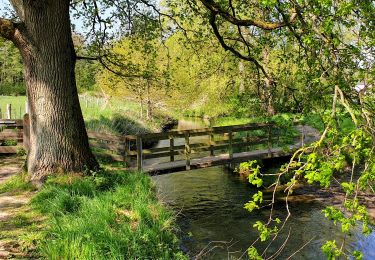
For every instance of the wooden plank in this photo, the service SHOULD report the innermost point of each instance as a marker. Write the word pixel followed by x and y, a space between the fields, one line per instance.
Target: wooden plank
pixel 205 131
pixel 10 135
pixel 171 148
pixel 9 149
pixel 11 123
pixel 187 150
pixel 9 111
pixel 26 132
pixel 230 145
pixel 211 141
pixel 195 148
pixel 216 160
pixel 139 153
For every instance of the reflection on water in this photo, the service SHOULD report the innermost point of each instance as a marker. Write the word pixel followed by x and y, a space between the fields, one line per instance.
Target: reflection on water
pixel 210 205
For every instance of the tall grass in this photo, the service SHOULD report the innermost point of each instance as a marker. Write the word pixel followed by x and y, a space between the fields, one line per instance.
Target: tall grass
pixel 109 215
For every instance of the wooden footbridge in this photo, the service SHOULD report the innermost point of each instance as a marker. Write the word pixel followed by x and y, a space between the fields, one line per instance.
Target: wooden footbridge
pixel 173 151
pixel 158 153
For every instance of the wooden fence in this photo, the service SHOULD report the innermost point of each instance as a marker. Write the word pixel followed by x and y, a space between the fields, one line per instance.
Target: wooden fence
pixel 130 148
pixel 14 135
pixel 13 112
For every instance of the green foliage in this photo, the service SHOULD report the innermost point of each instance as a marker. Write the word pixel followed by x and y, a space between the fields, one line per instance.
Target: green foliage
pixel 331 250
pixel 8 142
pixel 11 76
pixel 252 169
pixel 264 231
pixel 253 254
pixel 255 202
pixel 108 215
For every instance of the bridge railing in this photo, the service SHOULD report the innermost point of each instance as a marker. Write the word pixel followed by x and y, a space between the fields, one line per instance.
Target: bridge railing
pixel 223 138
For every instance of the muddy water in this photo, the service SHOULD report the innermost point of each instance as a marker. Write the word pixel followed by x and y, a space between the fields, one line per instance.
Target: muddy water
pixel 214 224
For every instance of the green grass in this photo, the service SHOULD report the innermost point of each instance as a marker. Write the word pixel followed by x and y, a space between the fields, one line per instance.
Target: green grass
pixel 18 105
pixel 109 215
pixel 17 184
pixel 118 117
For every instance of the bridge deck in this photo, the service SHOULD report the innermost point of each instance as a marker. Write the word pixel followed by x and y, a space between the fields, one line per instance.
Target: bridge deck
pixel 222 159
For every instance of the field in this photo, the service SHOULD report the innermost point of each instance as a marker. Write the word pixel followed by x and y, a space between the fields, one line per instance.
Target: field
pixel 18 106
pixel 115 117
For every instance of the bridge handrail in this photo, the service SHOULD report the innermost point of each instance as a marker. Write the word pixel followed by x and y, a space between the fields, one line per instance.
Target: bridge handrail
pixel 121 148
pixel 197 132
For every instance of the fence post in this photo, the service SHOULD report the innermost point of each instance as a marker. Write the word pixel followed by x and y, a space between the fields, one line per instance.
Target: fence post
pixel 9 111
pixel 247 140
pixel 187 150
pixel 230 145
pixel 26 132
pixel 125 151
pixel 211 144
pixel 139 154
pixel 26 107
pixel 171 147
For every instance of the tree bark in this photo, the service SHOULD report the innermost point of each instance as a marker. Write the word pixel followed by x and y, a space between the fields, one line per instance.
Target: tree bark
pixel 58 138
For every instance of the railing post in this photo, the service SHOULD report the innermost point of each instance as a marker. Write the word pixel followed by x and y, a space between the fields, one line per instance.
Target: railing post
pixel 9 111
pixel 247 140
pixel 187 150
pixel 26 132
pixel 171 147
pixel 269 142
pixel 126 151
pixel 230 145
pixel 139 154
pixel 211 143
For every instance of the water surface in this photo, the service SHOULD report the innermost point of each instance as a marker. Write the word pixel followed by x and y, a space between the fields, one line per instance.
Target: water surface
pixel 215 225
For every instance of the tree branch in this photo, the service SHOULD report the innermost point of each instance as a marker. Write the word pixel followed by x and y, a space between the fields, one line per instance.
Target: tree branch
pixel 231 49
pixel 216 9
pixel 78 57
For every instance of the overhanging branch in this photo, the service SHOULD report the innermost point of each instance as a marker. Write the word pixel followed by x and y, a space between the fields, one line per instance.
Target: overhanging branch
pixel 231 49
pixel 217 10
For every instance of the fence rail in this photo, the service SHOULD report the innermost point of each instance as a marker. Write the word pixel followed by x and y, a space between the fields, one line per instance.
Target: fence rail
pixel 219 140
pixel 14 135
pixel 180 146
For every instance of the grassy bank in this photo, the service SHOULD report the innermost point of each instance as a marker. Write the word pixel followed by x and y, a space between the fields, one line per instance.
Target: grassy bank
pixel 113 117
pixel 107 215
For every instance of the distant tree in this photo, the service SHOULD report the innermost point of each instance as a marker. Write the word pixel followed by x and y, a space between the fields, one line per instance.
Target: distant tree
pixel 11 72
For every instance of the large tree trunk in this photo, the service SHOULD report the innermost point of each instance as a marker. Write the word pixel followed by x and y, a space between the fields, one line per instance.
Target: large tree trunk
pixel 58 138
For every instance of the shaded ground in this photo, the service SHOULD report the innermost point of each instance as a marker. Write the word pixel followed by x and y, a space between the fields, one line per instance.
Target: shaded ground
pixel 13 210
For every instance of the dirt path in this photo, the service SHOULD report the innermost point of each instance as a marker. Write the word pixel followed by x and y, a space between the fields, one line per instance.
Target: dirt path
pixel 10 206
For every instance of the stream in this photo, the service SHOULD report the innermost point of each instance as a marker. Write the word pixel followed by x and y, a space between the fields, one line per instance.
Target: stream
pixel 214 224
